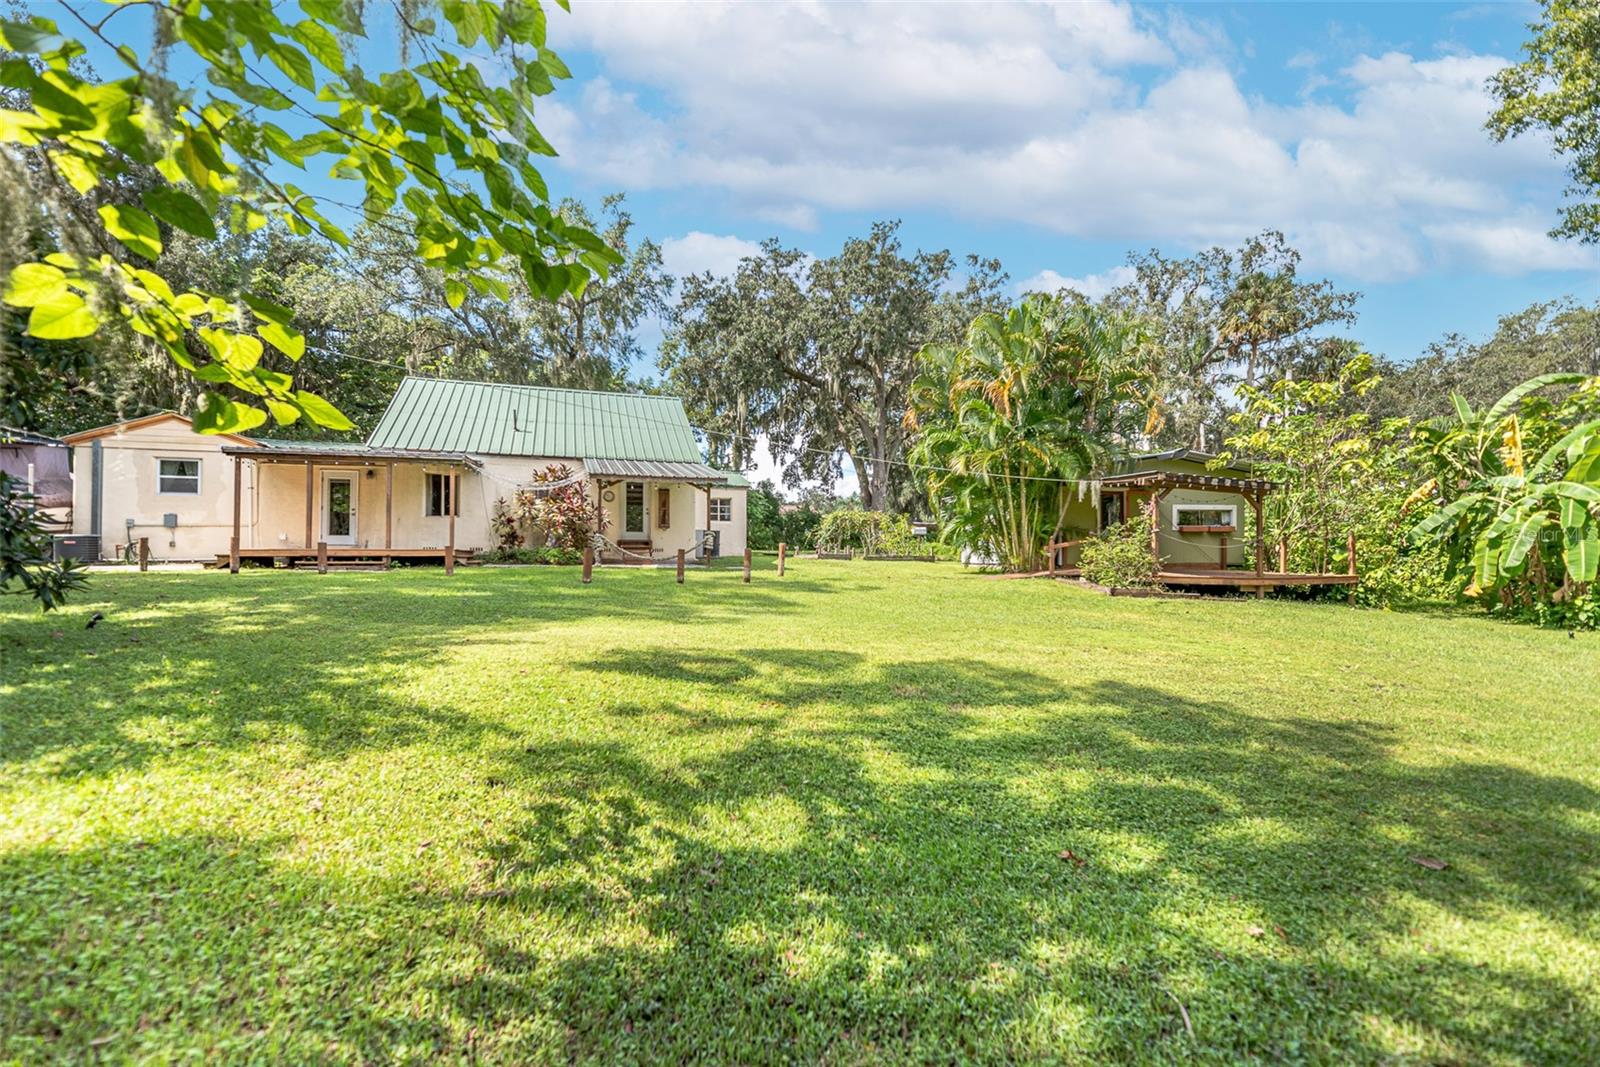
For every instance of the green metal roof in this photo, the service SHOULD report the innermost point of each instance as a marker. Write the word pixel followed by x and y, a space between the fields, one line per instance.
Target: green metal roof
pixel 736 480
pixel 280 444
pixel 522 420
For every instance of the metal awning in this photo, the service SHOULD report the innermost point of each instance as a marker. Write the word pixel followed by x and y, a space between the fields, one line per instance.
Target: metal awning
pixel 658 469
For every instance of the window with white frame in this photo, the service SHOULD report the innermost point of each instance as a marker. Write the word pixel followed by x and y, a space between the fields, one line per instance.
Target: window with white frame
pixel 436 497
pixel 722 509
pixel 179 476
pixel 1213 515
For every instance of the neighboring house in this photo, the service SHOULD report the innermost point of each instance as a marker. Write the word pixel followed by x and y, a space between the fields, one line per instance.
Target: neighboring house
pixel 154 477
pixel 40 466
pixel 425 481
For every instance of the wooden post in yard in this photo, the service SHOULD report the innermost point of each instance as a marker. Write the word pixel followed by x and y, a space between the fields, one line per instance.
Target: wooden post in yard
pixel 1050 560
pixel 680 566
pixel 747 565
pixel 322 557
pixel 588 563
pixel 1222 553
pixel 1350 555
pixel 783 552
pixel 450 550
pixel 144 554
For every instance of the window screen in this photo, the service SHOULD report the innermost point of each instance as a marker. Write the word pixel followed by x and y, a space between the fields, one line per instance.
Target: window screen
pixel 179 476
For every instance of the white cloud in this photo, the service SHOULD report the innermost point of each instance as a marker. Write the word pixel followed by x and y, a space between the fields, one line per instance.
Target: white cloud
pixel 1087 120
pixel 1511 248
pixel 1093 286
pixel 697 252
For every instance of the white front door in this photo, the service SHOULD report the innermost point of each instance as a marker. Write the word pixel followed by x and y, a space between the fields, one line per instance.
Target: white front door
pixel 634 511
pixel 339 508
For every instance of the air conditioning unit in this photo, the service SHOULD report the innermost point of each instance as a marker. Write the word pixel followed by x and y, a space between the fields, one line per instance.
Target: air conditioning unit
pixel 82 547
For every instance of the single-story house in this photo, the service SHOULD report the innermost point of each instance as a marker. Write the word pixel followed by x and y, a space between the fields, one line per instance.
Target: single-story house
pixel 423 484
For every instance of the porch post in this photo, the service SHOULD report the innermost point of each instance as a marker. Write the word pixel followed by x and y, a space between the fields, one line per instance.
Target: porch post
pixel 238 489
pixel 599 505
pixel 1261 542
pixel 1155 528
pixel 311 507
pixel 388 508
pixel 450 551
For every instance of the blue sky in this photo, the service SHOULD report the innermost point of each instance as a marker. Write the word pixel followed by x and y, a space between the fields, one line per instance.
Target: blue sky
pixel 1057 138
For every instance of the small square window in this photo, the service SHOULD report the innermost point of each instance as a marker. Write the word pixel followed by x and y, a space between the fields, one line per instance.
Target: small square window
pixel 721 509
pixel 436 501
pixel 178 476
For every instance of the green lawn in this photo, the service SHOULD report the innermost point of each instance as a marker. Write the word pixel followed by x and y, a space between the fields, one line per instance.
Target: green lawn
pixel 865 812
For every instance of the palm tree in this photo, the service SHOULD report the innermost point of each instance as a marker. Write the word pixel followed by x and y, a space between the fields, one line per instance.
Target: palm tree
pixel 1032 401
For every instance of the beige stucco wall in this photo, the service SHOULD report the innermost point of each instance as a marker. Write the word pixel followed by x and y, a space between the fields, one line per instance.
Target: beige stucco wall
pixel 273 500
pixel 687 512
pixel 282 506
pixel 1201 548
pixel 283 495
pixel 129 491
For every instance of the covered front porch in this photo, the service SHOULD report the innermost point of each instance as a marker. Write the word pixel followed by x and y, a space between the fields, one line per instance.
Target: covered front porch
pixel 1202 553
pixel 649 510
pixel 345 506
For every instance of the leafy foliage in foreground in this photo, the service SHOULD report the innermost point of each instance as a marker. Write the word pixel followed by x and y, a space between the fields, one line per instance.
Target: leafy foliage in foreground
pixel 864 813
pixel 402 137
pixel 27 564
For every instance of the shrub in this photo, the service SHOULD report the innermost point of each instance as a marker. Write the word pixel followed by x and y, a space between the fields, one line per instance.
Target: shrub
pixel 565 557
pixel 1120 556
pixel 874 532
pixel 564 516
pixel 504 525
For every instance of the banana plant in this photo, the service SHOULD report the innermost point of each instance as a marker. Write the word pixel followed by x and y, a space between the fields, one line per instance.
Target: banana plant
pixel 1508 515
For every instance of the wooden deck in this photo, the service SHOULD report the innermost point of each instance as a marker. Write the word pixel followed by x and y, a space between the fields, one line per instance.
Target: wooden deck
pixel 346 554
pixel 1241 579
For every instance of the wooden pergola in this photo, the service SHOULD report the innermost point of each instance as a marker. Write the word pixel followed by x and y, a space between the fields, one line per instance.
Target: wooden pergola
pixel 311 458
pixel 1155 485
